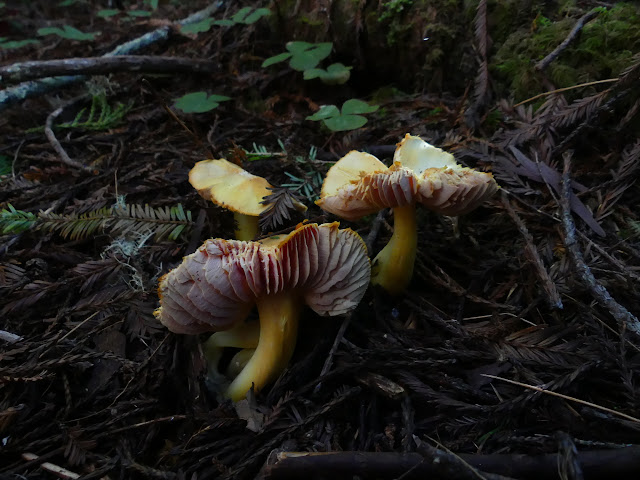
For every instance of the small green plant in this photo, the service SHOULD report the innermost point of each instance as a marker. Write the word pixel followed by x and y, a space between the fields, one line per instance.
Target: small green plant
pixel 393 8
pixel 67 32
pixel 16 221
pixel 260 152
pixel 121 219
pixel 244 16
pixel 310 183
pixel 130 14
pixel 101 115
pixel 335 74
pixel 6 44
pixel 5 165
pixel 108 12
pixel 349 118
pixel 199 102
pixel 302 55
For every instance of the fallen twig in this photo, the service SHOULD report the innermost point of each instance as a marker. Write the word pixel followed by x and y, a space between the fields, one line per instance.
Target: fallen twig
pixel 532 254
pixel 334 348
pixel 48 131
pixel 624 318
pixel 19 72
pixel 375 229
pixel 22 91
pixel 596 465
pixel 9 337
pixel 52 468
pixel 587 17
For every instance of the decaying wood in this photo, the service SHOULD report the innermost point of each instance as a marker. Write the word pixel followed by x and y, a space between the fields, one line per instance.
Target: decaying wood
pixel 20 72
pixel 596 465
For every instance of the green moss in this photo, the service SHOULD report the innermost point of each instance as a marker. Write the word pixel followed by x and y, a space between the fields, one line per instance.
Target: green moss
pixel 603 49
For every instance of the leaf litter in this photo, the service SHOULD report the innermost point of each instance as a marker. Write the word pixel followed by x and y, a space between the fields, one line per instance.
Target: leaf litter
pixel 91 383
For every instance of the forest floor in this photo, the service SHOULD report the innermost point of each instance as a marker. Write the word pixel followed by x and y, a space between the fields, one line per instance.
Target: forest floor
pixel 515 350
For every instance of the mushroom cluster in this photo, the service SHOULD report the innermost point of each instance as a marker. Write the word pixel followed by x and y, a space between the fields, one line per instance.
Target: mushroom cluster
pixel 215 288
pixel 231 187
pixel 359 184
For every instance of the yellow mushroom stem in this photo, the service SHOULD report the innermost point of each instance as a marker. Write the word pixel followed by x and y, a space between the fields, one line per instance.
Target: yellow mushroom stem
pixel 279 314
pixel 247 226
pixel 239 361
pixel 392 268
pixel 243 335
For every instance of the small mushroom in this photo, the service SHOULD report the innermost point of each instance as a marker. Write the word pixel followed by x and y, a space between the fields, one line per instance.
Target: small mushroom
pixel 359 184
pixel 215 288
pixel 231 187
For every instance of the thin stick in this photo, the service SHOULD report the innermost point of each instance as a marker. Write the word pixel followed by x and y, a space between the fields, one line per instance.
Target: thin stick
pixel 9 337
pixel 48 131
pixel 51 467
pixel 374 230
pixel 565 89
pixel 565 397
pixel 587 17
pixel 334 348
pixel 534 257
pixel 19 72
pixel 624 318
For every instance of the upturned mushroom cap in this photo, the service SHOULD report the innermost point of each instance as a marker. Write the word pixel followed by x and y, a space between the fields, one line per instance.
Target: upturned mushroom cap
pixel 443 186
pixel 231 187
pixel 359 184
pixel 217 285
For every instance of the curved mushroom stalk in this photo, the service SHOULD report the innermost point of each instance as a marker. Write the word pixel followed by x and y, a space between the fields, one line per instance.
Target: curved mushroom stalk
pixel 239 361
pixel 213 289
pixel 279 316
pixel 392 268
pixel 243 335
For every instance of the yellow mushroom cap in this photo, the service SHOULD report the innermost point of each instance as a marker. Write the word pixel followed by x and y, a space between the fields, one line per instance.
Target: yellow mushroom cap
pixel 443 186
pixel 232 187
pixel 359 184
pixel 217 285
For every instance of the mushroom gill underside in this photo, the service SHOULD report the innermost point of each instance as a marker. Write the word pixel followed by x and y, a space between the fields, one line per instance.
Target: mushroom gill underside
pixel 215 287
pixel 446 190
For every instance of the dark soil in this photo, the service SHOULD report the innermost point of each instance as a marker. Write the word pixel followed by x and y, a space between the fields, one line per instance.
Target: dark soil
pixel 539 286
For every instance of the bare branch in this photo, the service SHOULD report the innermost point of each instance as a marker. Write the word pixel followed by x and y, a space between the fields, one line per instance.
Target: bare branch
pixel 587 17
pixel 624 318
pixel 19 72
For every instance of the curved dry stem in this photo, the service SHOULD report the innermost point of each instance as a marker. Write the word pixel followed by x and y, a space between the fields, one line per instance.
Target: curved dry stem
pixel 279 314
pixel 392 268
pixel 247 226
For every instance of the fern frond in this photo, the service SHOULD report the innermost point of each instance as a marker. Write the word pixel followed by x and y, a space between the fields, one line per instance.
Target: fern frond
pixel 16 221
pixel 579 110
pixel 159 223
